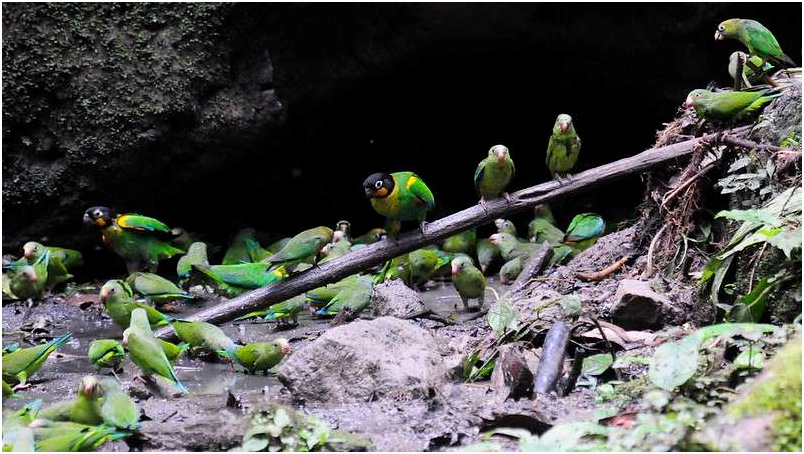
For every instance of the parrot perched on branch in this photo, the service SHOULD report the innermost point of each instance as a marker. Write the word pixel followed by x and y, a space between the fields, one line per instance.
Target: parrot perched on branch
pixel 757 38
pixel 400 197
pixel 563 147
pixel 728 105
pixel 493 174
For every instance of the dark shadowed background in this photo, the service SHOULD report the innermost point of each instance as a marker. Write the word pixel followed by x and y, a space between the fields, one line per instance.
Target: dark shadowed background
pixel 213 117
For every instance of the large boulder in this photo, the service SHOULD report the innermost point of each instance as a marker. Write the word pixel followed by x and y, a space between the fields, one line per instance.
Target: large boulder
pixel 364 360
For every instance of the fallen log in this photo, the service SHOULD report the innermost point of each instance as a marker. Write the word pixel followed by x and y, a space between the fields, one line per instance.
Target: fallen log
pixel 377 253
pixel 533 266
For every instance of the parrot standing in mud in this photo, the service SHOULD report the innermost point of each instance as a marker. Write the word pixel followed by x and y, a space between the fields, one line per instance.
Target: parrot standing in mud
pixel 204 336
pixel 84 409
pixel 748 76
pixel 758 39
pixel 196 255
pixel 27 281
pixel 244 248
pixel 469 281
pixel 563 147
pixel 424 263
pixel 400 197
pixel 286 312
pixel 20 364
pixel 540 230
pixel 464 242
pixel 493 174
pixel 155 288
pixel 118 301
pixel 584 230
pixel 505 226
pixel 398 268
pixel 511 270
pixel 59 264
pixel 236 279
pixel 173 351
pixel 370 237
pixel 139 240
pixel 17 436
pixel 66 436
pixel 728 105
pixel 303 247
pixel 354 297
pixel 106 353
pixel 261 356
pixel 487 254
pixel 117 408
pixel 321 296
pixel 146 351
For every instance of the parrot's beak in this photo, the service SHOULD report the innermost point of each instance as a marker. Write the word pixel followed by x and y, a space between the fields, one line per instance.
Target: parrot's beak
pixel 104 293
pixel 564 126
pixel 455 270
pixel 285 346
pixel 124 341
pixel 369 192
pixel 500 156
pixel 533 239
pixel 338 235
pixel 88 220
pixel 498 223
pixel 27 252
pixel 688 102
pixel 89 387
pixel 718 35
pixel 495 239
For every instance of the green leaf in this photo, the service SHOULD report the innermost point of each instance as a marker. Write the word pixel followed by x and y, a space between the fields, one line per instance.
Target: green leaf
pixel 673 364
pixel 579 436
pixel 597 364
pixel 281 418
pixel 571 305
pixel 605 412
pixel 503 316
pixel 255 444
pixel 751 358
pixel 787 241
pixel 761 217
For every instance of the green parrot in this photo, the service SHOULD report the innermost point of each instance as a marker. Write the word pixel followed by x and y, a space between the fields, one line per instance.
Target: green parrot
pixel 106 353
pixel 10 348
pixel 464 242
pixel 27 281
pixel 728 105
pixel 204 336
pixel 322 295
pixel 236 279
pixel 173 351
pixel 117 409
pixel 303 247
pixel 370 237
pixel 244 248
pixel 505 226
pixel 352 299
pixel 511 247
pixel 493 174
pixel 17 437
pixel 139 240
pixel 286 312
pixel 541 230
pixel 334 250
pixel 84 409
pixel 261 356
pixel 118 301
pixel 65 436
pixel 155 288
pixel 59 263
pixel 398 268
pixel 277 245
pixel 400 197
pixel 424 263
pixel 748 75
pixel 196 255
pixel 543 211
pixel 469 281
pixel 146 351
pixel 19 365
pixel 563 147
pixel 758 39
pixel 511 270
pixel 584 230
pixel 487 254
pixel 8 391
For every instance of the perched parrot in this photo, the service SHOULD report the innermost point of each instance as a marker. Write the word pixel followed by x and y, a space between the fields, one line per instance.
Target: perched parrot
pixel 118 301
pixel 19 365
pixel 464 242
pixel 487 254
pixel 204 336
pixel 173 351
pixel 286 312
pixel 493 174
pixel 543 211
pixel 345 229
pixel 322 295
pixel 728 105
pixel 372 236
pixel 303 247
pixel 146 351
pixel 155 288
pixel 261 356
pixel 563 147
pixel 511 247
pixel 334 250
pixel 758 39
pixel 400 197
pixel 117 408
pixel 244 248
pixel 748 75
pixel 505 226
pixel 584 230
pixel 424 263
pixel 469 281
pixel 511 270
pixel 196 255
pixel 106 353
pixel 277 245
pixel 541 230
pixel 354 297
pixel 65 436
pixel 236 279
pixel 59 263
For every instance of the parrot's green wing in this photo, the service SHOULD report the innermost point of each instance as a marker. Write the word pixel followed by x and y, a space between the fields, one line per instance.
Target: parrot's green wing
pixel 150 284
pixel 481 166
pixel 138 222
pixel 19 365
pixel 421 191
pixel 585 226
pixel 118 409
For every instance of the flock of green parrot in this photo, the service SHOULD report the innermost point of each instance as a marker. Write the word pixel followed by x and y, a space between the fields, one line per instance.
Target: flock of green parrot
pixel 101 411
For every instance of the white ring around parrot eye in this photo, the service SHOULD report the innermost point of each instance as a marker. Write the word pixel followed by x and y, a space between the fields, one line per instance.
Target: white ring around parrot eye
pixel 378 184
pixel 98 213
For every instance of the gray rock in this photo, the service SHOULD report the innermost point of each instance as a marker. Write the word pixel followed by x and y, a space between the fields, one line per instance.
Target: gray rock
pixel 637 306
pixel 395 299
pixel 514 370
pixel 365 360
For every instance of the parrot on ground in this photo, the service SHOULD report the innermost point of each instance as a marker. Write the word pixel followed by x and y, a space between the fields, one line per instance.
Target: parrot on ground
pixel 424 263
pixel 584 230
pixel 464 242
pixel 146 351
pixel 563 147
pixel 286 312
pixel 321 296
pixel 469 281
pixel 493 174
pixel 398 268
pixel 236 279
pixel 757 38
pixel 106 353
pixel 117 409
pixel 511 247
pixel 173 351
pixel 118 301
pixel 139 240
pixel 155 288
pixel 244 248
pixel 27 281
pixel 261 356
pixel 20 364
pixel 543 211
pixel 511 270
pixel 728 105
pixel 204 336
pixel 370 237
pixel 400 197
pixel 84 409
pixel 540 230
pixel 505 226
pixel 60 262
pixel 354 296
pixel 17 436
pixel 748 76
pixel 487 254
pixel 304 247
pixel 196 255
pixel 66 436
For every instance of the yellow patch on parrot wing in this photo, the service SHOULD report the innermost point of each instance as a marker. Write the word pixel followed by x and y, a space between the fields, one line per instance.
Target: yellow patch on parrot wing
pixel 411 182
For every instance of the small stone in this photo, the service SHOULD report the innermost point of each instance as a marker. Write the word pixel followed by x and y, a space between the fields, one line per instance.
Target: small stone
pixel 395 299
pixel 637 306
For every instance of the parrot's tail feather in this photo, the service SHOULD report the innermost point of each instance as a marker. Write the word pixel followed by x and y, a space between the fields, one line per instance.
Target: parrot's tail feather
pixel 183 347
pixel 206 272
pixel 59 341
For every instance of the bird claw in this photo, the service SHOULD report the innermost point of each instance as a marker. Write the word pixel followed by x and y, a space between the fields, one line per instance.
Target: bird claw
pixel 423 227
pixel 508 197
pixel 482 204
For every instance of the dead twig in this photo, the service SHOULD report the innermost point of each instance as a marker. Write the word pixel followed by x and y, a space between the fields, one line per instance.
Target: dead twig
pixel 652 248
pixel 600 275
pixel 670 196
